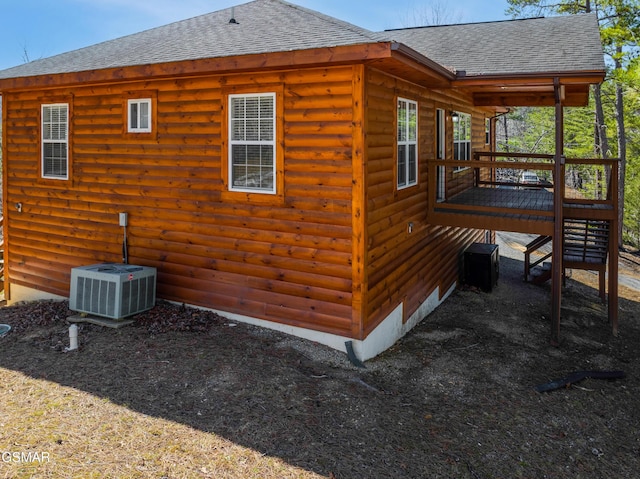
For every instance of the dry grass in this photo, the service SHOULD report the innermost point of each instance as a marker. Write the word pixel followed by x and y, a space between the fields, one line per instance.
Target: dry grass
pixel 80 435
pixel 184 394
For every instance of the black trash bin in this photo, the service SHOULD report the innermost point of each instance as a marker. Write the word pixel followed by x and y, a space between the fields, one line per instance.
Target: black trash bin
pixel 482 266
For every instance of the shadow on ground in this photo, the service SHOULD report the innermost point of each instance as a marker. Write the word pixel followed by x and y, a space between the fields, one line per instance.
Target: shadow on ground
pixel 454 398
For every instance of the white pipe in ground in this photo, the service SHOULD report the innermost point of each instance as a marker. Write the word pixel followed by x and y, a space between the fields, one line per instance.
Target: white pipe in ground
pixel 73 337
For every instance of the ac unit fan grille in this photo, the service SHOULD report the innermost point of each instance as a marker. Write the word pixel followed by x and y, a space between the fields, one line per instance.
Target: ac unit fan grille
pixel 96 296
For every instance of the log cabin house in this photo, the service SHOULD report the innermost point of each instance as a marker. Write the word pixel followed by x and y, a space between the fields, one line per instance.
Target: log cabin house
pixel 286 168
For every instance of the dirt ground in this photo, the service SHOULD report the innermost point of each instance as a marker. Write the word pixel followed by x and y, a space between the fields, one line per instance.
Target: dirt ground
pixel 455 398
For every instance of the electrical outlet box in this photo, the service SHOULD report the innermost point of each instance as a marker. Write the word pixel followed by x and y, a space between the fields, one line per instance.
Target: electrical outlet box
pixel 124 217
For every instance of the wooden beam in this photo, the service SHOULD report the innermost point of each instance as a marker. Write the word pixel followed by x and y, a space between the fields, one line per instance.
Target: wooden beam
pixel 613 252
pixel 515 79
pixel 573 97
pixel 556 271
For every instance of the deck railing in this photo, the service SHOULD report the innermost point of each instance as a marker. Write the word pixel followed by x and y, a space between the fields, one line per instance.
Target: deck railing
pixel 523 184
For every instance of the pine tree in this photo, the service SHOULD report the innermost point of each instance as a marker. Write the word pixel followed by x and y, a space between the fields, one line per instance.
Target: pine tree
pixel 620 29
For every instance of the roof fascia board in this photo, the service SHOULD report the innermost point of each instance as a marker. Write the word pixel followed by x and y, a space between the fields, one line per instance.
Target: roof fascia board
pixel 516 79
pixel 339 55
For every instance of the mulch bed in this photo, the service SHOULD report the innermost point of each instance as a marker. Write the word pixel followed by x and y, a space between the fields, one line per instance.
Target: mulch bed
pixel 454 398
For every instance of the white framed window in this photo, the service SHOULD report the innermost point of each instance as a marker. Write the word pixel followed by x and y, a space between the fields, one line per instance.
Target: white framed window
pixel 55 141
pixel 461 137
pixel 139 117
pixel 407 143
pixel 441 152
pixel 487 131
pixel 252 142
pixel 441 146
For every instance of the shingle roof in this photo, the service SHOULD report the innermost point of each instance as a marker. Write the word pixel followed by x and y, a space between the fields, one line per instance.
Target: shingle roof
pixel 556 44
pixel 264 26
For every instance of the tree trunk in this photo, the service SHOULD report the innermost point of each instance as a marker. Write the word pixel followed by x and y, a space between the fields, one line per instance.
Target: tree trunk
pixel 602 141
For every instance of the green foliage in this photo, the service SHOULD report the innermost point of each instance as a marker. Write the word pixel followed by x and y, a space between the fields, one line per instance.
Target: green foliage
pixel 632 191
pixel 619 22
pixel 532 130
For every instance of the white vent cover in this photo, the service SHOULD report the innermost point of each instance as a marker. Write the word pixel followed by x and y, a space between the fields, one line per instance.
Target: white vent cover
pixel 112 290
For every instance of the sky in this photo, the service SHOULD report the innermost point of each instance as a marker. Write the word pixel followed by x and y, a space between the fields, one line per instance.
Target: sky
pixel 34 29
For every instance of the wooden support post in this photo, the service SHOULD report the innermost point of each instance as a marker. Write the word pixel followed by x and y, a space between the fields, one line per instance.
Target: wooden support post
pixel 556 274
pixel 613 251
pixel 613 277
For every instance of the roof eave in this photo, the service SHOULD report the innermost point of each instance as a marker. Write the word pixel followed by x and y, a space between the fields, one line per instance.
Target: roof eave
pixel 533 89
pixel 420 59
pixel 582 76
pixel 325 56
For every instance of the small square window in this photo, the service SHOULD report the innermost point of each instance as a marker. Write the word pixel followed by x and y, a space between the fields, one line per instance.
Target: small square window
pixel 139 118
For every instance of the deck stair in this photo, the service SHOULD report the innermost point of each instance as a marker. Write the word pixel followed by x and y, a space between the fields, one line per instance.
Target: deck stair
pixel 585 246
pixel 529 267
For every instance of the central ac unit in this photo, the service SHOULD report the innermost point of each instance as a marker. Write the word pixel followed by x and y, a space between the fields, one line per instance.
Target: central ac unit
pixel 112 290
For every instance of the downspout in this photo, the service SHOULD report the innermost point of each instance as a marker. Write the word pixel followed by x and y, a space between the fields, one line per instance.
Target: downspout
pixel 558 196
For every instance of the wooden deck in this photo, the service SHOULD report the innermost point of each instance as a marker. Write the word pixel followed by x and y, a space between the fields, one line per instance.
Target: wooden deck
pixel 485 203
pixel 521 210
pixel 486 195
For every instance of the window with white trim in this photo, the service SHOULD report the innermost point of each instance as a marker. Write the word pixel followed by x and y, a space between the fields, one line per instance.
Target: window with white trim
pixel 139 118
pixel 252 142
pixel 441 151
pixel 407 143
pixel 487 131
pixel 55 141
pixel 461 137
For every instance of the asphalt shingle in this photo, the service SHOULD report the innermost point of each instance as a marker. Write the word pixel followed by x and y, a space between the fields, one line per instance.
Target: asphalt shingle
pixel 262 26
pixel 537 45
pixel 556 44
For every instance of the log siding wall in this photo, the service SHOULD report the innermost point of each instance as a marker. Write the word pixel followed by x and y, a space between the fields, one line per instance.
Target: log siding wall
pixel 331 251
pixel 402 265
pixel 283 258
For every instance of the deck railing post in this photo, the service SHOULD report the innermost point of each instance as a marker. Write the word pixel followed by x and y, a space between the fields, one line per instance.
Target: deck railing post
pixel 613 251
pixel 558 197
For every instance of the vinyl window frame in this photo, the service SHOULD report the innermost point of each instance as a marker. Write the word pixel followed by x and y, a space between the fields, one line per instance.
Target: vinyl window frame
pixel 407 143
pixel 138 115
pixel 462 136
pixel 54 132
pixel 441 152
pixel 487 131
pixel 268 143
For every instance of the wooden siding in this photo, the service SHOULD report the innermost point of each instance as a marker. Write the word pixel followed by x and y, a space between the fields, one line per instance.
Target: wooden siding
pixel 402 265
pixel 287 258
pixel 331 251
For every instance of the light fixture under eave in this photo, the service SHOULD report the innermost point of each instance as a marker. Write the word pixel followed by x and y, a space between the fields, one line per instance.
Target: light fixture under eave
pixel 455 116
